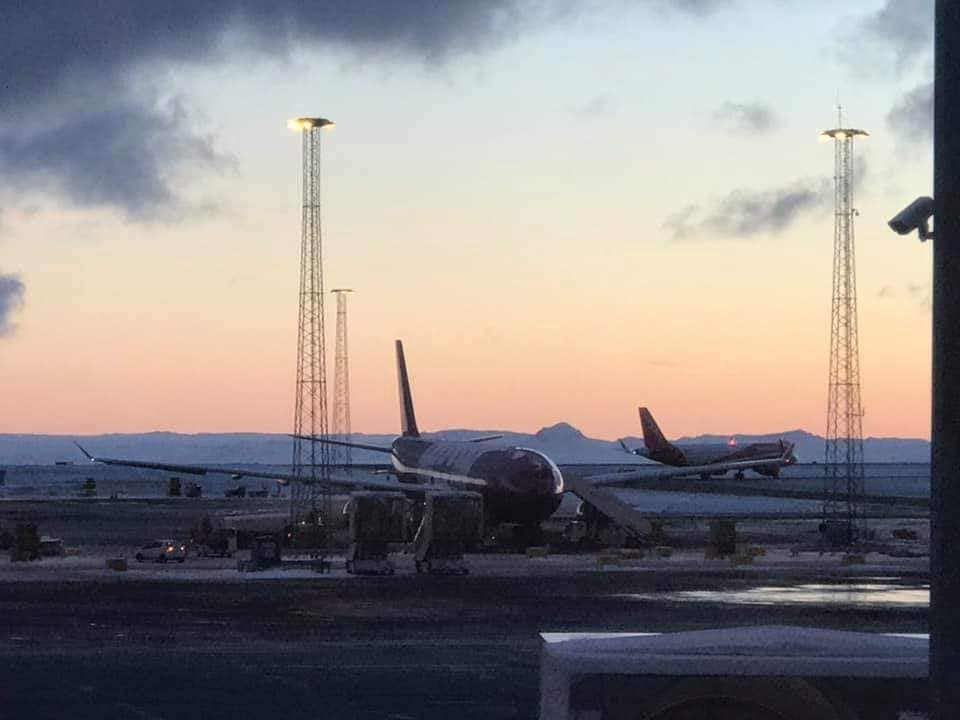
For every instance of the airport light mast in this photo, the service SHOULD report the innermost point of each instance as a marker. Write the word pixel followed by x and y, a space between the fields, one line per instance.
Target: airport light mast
pixel 341 381
pixel 843 461
pixel 309 498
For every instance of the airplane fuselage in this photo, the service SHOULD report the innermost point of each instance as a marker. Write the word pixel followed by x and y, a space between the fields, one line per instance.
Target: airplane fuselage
pixel 518 485
pixel 682 455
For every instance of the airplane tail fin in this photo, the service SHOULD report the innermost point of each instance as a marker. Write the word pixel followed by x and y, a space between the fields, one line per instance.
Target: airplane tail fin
pixel 408 421
pixel 652 436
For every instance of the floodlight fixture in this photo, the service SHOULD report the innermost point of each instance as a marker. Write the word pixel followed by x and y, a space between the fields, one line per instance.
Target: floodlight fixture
pixel 306 123
pixel 844 133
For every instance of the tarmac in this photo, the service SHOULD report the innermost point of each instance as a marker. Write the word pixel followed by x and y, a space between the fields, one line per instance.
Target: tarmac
pixel 202 640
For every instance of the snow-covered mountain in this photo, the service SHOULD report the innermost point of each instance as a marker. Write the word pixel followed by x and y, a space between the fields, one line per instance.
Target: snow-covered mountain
pixel 562 442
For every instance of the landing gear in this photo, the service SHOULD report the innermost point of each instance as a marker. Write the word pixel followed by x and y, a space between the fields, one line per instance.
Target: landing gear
pixel 739 475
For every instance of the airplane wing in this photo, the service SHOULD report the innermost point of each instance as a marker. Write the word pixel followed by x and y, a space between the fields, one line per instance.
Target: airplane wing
pixel 635 496
pixel 661 472
pixel 598 491
pixel 340 482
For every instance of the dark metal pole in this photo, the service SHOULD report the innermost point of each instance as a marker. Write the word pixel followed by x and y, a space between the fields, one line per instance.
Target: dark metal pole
pixel 945 435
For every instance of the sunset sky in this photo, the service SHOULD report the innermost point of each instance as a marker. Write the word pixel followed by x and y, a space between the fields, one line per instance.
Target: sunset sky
pixel 563 209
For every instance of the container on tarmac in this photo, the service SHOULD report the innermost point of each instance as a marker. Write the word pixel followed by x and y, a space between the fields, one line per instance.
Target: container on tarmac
pixel 452 525
pixel 377 519
pixel 265 553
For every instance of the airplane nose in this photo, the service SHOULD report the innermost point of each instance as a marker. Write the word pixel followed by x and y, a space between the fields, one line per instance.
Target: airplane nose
pixel 547 478
pixel 533 474
pixel 546 484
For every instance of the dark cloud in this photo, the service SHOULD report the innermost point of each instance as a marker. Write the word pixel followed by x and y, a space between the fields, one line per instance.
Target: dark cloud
pixel 901 31
pixel 11 298
pixel 46 44
pixel 123 156
pixel 750 117
pixel 747 213
pixel 895 38
pixel 76 112
pixel 78 106
pixel 911 118
pixel 917 293
pixel 744 213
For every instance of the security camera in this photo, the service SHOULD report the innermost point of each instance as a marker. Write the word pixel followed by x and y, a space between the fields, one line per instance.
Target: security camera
pixel 915 216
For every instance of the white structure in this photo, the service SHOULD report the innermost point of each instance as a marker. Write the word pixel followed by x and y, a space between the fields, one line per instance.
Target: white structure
pixel 750 672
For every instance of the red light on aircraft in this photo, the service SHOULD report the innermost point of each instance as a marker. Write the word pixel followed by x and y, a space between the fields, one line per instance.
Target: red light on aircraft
pixel 732 442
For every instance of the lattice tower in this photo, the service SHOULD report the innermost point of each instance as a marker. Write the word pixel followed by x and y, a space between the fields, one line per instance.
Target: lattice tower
pixel 309 498
pixel 341 382
pixel 843 461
